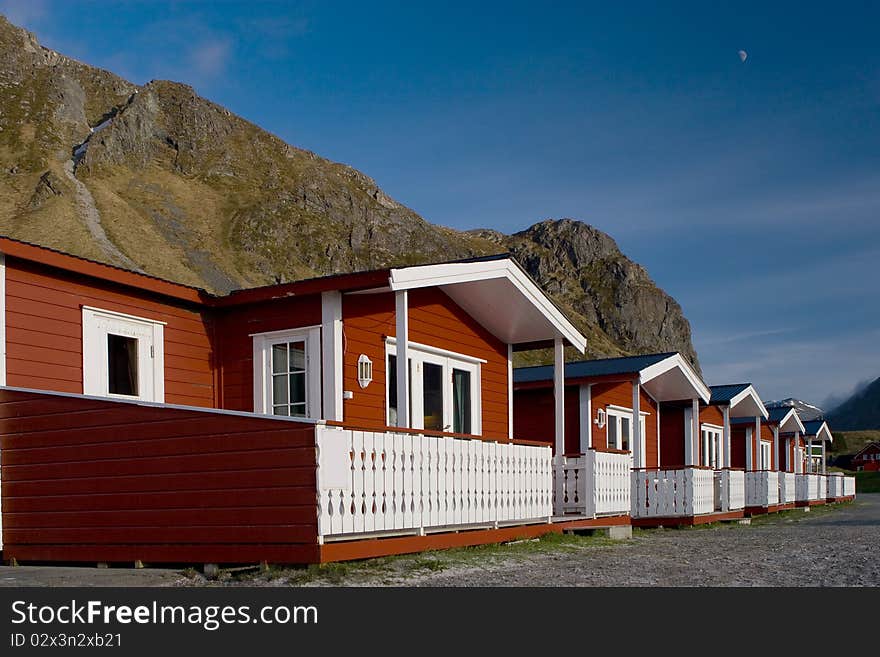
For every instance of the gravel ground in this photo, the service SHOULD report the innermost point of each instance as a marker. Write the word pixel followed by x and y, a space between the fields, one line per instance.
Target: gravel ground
pixel 829 546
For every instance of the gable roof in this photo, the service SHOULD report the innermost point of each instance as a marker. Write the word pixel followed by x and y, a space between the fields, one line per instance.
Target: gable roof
pixel 787 418
pixel 666 376
pixel 870 446
pixel 819 429
pixel 742 398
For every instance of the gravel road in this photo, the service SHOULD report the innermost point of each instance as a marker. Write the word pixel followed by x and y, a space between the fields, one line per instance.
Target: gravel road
pixel 832 546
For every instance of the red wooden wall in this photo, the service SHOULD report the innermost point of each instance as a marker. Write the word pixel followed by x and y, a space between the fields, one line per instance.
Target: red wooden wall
pixel 534 411
pixel 236 325
pixel 671 436
pixel 436 320
pixel 87 480
pixel 44 332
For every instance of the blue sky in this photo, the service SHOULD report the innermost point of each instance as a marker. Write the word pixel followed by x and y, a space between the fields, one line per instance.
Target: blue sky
pixel 750 191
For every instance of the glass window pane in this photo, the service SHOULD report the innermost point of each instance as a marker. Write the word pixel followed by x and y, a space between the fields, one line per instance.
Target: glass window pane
pixel 279 389
pixel 298 388
pixel 432 387
pixel 297 356
pixel 461 401
pixel 279 358
pixel 612 432
pixel 391 373
pixel 280 410
pixel 298 409
pixel 122 365
pixel 625 423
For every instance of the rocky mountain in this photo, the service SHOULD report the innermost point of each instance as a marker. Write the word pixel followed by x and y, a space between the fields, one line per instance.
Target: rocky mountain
pixel 158 179
pixel 859 412
pixel 806 411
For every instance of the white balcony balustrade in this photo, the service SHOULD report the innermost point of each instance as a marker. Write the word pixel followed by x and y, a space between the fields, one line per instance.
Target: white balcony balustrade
pixel 389 482
pixel 762 488
pixel 672 493
pixel 593 484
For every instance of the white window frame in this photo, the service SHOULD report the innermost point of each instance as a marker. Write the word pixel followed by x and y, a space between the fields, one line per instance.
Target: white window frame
pixel 766 453
pixel 711 437
pixel 97 323
pixel 420 354
pixel 263 343
pixel 616 414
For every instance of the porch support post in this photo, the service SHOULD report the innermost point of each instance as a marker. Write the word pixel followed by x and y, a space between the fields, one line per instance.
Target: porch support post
pixel 688 437
pixel 559 395
pixel 510 392
pixel 401 314
pixel 776 449
pixel 749 464
pixel 638 448
pixel 559 423
pixel 585 408
pixel 331 354
pixel 695 431
pixel 798 462
pixel 823 457
pixel 810 454
pixel 725 412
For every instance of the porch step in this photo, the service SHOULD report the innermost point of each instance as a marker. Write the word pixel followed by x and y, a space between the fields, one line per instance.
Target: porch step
pixel 614 532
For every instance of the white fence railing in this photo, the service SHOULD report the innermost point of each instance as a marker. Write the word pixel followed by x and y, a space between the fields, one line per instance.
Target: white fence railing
pixel 786 487
pixel 392 482
pixel 762 488
pixel 834 483
pixel 849 486
pixel 730 492
pixel 672 493
pixel 593 484
pixel 810 487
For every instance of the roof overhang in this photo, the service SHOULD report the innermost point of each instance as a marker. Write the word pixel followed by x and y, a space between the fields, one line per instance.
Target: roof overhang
pixel 747 403
pixel 823 433
pixel 673 379
pixel 790 423
pixel 499 295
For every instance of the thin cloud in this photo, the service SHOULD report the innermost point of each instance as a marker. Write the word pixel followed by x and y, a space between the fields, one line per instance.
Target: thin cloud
pixel 211 57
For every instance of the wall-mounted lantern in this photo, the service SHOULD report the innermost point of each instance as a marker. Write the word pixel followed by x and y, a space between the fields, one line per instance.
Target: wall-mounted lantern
pixel 600 418
pixel 365 370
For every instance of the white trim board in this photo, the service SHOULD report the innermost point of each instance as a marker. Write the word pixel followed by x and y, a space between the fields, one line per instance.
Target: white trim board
pixel 466 272
pixel 437 351
pixel 676 360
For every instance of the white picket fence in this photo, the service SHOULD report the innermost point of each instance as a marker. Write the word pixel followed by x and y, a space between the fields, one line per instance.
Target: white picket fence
pixel 399 482
pixel 809 487
pixel 672 493
pixel 787 487
pixel 730 492
pixel 762 488
pixel 593 484
pixel 849 486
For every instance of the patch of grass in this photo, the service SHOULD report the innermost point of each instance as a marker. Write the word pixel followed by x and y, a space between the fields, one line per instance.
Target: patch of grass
pixel 393 569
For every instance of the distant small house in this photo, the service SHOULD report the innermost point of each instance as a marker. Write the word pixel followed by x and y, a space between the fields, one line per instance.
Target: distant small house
pixel 868 458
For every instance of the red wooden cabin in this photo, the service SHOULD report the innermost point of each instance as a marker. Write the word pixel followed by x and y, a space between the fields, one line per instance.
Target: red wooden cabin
pixel 332 418
pixel 868 458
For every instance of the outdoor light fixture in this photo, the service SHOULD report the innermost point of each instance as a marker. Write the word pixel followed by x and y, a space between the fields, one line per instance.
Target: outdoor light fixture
pixel 365 370
pixel 600 418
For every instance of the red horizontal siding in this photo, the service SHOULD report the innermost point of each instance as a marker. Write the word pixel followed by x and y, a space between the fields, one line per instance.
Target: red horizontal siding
pixel 44 332
pixel 94 480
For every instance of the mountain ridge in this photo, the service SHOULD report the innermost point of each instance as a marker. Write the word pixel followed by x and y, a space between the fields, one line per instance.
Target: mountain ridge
pixel 158 179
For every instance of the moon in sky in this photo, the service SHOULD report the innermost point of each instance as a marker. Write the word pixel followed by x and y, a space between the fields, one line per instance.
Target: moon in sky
pixel 743 55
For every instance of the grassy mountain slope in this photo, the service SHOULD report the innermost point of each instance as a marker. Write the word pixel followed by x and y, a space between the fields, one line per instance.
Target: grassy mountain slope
pixel 158 179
